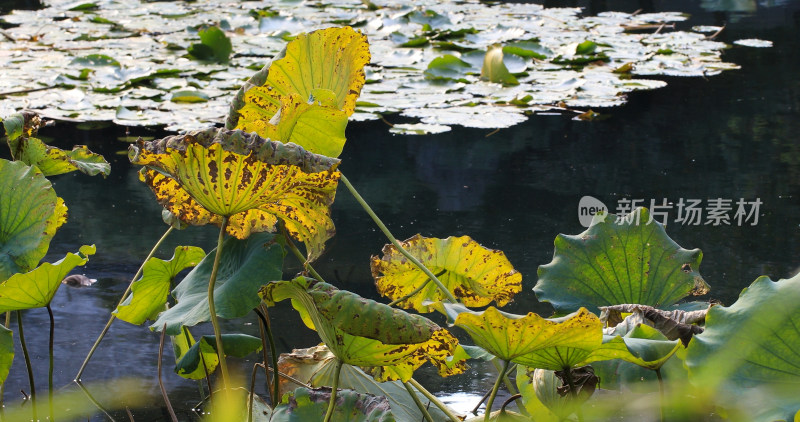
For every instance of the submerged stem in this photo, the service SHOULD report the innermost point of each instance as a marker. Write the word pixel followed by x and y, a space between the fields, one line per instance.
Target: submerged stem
pixel 425 413
pixel 332 403
pixel 438 403
pixel 124 296
pixel 496 387
pixel 27 363
pixel 223 365
pixel 448 295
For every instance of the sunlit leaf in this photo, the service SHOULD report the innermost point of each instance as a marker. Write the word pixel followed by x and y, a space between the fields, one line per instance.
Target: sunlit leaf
pixel 343 320
pixel 205 175
pixel 26 123
pixel 534 386
pixel 6 352
pixel 188 96
pixel 494 70
pixel 474 274
pixel 53 161
pixel 245 266
pixel 181 343
pixel 750 349
pixel 330 59
pixel 36 288
pixel 619 260
pixel 205 350
pixel 310 405
pixel 149 293
pixel 316 367
pixel 527 49
pixel 30 213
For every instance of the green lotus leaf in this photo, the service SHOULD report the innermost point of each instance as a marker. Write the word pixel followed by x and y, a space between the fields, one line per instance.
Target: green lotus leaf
pixel 181 343
pixel 24 124
pixel 30 214
pixel 36 288
pixel 53 161
pixel 204 353
pixel 214 45
pixel 206 175
pixel 315 366
pixel 397 343
pixel 530 383
pixel 245 266
pixel 619 260
pixel 330 59
pixel 149 293
pixel 447 68
pixel 474 274
pixel 310 405
pixel 6 352
pixel 494 70
pixel 750 349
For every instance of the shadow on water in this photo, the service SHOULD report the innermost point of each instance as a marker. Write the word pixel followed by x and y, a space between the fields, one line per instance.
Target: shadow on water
pixel 731 136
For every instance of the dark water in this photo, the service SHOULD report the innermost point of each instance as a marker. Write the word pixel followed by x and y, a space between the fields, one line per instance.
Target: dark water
pixel 731 136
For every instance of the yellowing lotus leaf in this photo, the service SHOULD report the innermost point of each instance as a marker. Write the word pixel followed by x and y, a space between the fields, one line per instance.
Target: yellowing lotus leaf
pixel 361 332
pixel 315 127
pixel 474 274
pixel 206 175
pixel 320 70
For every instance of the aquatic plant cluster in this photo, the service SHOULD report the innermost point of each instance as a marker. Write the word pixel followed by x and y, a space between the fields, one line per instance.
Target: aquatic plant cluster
pixel 176 63
pixel 268 179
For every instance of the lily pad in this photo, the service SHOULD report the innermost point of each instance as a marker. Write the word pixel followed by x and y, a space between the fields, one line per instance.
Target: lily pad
pixel 618 260
pixel 214 45
pixel 245 266
pixel 474 274
pixel 494 70
pixel 204 354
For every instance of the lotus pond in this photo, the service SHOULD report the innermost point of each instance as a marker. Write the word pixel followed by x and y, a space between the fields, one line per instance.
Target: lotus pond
pixel 425 152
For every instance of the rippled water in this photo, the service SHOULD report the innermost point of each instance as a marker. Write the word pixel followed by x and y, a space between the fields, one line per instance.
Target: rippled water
pixel 731 136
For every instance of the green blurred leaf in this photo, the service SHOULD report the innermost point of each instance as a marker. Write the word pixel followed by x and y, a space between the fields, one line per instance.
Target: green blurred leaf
pixel 310 405
pixel 214 45
pixel 494 70
pixel 6 352
pixel 527 49
pixel 619 260
pixel 245 266
pixel 149 293
pixel 586 47
pixel 53 161
pixel 188 96
pixel 95 60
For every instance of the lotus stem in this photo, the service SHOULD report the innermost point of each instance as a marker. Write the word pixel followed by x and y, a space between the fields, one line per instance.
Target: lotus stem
pixel 171 411
pixel 292 247
pixel 568 376
pixel 3 383
pixel 124 296
pixel 27 363
pixel 276 386
pixel 490 402
pixel 448 295
pixel 660 394
pixel 50 368
pixel 250 397
pixel 438 403
pixel 425 413
pixel 332 403
pixel 223 365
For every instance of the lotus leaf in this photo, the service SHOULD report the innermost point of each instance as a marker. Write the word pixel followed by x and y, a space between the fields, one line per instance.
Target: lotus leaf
pixel 751 348
pixel 214 45
pixel 26 123
pixel 30 214
pixel 6 352
pixel 447 68
pixel 245 266
pixel 330 60
pixel 494 70
pixel 204 176
pixel 619 260
pixel 310 405
pixel 316 367
pixel 537 387
pixel 53 161
pixel 474 274
pixel 204 353
pixel 362 332
pixel 149 293
pixel 36 288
